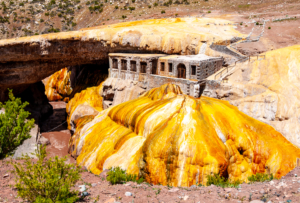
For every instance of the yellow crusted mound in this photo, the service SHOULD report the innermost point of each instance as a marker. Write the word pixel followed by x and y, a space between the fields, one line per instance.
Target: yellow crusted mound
pixel 174 139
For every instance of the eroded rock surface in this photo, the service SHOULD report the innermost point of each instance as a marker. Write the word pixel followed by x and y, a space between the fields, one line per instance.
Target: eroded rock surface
pixel 267 89
pixel 30 59
pixel 173 139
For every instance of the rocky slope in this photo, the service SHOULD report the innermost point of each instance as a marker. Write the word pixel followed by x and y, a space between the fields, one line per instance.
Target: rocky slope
pixel 31 59
pixel 172 139
pixel 267 89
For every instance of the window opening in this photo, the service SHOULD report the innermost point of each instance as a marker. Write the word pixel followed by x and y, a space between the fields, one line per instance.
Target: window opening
pixel 170 67
pixel 143 67
pixel 133 66
pixel 193 70
pixel 162 66
pixel 115 63
pixel 123 65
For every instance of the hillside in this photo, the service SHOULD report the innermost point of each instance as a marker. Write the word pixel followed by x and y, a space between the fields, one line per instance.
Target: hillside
pixel 20 18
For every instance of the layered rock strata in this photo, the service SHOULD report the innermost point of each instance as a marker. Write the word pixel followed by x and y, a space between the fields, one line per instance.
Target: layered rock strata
pixel 173 139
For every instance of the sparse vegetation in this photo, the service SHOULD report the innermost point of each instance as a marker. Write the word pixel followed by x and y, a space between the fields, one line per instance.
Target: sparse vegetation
pixel 47 180
pixel 260 177
pixel 119 176
pixel 220 181
pixel 14 128
pixel 163 11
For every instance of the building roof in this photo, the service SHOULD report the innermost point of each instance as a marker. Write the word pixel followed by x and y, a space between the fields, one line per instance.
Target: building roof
pixel 198 57
pixel 137 55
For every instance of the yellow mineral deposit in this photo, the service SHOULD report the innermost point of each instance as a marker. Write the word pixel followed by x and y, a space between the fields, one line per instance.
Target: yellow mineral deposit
pixel 84 102
pixel 171 138
pixel 58 86
pixel 172 36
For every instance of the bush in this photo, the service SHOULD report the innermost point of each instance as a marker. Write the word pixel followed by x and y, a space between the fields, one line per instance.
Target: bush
pixel 269 28
pixel 163 11
pixel 119 176
pixel 217 180
pixel 116 7
pixel 14 128
pixel 260 177
pixel 131 8
pixel 208 11
pixel 47 180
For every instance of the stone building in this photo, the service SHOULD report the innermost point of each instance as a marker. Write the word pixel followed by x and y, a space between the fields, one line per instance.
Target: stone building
pixel 154 70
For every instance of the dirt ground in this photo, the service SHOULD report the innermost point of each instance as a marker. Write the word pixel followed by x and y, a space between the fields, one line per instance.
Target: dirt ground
pixel 100 190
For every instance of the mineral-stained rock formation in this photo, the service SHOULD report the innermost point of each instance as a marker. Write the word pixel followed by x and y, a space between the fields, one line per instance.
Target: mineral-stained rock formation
pixel 58 86
pixel 30 59
pixel 267 89
pixel 174 139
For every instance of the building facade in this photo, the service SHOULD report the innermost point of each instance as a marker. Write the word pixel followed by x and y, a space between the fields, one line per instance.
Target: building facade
pixel 154 70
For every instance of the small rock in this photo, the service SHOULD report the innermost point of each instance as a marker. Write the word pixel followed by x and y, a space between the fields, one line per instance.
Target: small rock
pixel 94 184
pixel 82 188
pixel 174 189
pixel 6 175
pixel 185 197
pixel 43 141
pixel 295 175
pixel 128 194
pixel 111 200
pixel 84 194
pixel 127 184
pixel 256 201
pixel 262 191
pixel 193 186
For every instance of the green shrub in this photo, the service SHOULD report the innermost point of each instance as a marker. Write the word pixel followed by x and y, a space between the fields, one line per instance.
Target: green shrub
pixel 217 180
pixel 131 8
pixel 208 11
pixel 149 6
pixel 14 128
pixel 260 177
pixel 47 180
pixel 155 4
pixel 116 7
pixel 119 176
pixel 163 11
pixel 269 28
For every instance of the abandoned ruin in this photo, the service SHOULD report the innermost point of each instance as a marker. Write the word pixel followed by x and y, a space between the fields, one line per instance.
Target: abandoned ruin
pixel 155 70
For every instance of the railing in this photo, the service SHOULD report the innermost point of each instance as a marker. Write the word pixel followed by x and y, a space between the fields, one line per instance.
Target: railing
pixel 232 66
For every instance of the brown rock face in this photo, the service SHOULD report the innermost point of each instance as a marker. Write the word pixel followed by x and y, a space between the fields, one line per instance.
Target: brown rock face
pixel 30 59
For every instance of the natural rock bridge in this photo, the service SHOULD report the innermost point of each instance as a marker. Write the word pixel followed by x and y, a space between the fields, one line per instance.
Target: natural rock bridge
pixel 28 60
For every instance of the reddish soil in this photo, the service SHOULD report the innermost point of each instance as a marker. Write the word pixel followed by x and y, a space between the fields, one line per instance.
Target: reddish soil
pixel 100 191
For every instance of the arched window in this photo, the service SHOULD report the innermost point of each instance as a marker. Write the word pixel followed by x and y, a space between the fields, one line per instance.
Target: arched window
pixel 181 71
